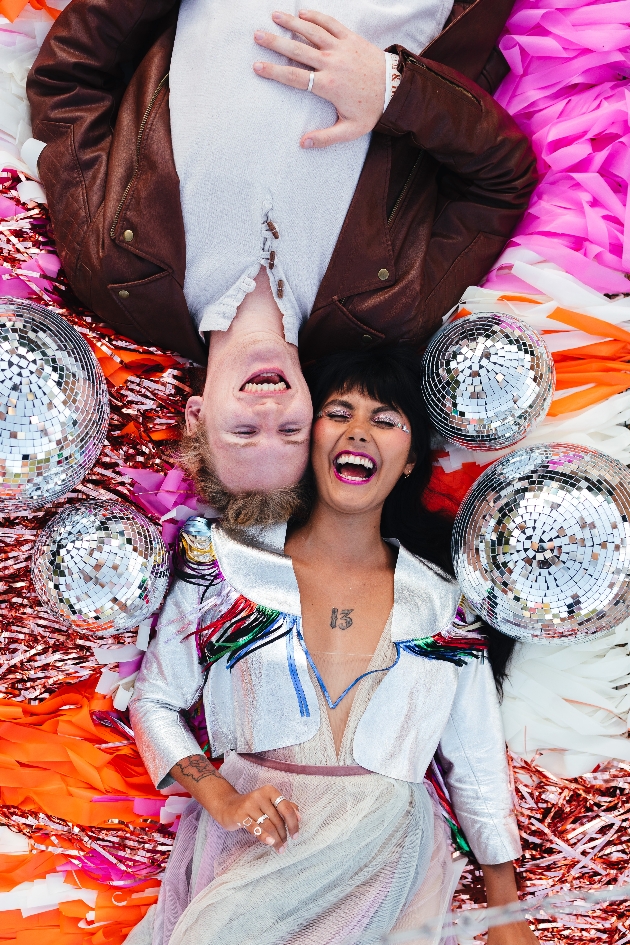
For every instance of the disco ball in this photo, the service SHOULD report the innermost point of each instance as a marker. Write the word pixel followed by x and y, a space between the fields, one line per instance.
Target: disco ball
pixel 487 380
pixel 541 543
pixel 54 406
pixel 101 566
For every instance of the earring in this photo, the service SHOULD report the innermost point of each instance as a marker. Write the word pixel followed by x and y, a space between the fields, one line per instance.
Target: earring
pixel 406 475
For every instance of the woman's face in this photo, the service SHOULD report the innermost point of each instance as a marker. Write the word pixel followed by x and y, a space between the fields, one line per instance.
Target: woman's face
pixel 360 449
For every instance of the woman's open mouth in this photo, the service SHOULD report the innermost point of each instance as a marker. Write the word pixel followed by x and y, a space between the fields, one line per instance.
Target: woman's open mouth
pixel 354 468
pixel 266 382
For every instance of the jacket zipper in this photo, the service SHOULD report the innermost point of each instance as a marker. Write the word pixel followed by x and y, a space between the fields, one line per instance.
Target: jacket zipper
pixel 402 193
pixel 444 79
pixel 143 123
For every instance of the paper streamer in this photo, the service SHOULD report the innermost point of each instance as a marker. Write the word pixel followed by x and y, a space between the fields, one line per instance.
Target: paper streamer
pixel 568 91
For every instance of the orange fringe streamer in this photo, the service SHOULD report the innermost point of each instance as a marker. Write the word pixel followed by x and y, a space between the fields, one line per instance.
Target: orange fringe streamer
pixel 54 759
pixel 12 8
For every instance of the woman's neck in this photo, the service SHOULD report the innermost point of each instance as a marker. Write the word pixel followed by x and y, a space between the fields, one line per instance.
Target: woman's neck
pixel 347 539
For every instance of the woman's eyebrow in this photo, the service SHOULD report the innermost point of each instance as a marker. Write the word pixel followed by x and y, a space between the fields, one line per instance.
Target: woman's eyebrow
pixel 385 407
pixel 340 403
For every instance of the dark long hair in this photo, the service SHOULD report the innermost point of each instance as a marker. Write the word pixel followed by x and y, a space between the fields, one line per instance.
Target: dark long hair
pixel 392 375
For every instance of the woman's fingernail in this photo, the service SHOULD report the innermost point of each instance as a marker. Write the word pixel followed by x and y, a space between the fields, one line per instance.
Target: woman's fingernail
pixel 308 143
pixel 269 841
pixel 282 848
pixel 259 35
pixel 258 67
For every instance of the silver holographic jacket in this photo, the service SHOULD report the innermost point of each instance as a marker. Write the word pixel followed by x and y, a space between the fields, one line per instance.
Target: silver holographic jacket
pixel 438 696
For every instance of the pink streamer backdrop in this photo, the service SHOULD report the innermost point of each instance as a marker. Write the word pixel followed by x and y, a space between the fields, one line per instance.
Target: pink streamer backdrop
pixel 569 89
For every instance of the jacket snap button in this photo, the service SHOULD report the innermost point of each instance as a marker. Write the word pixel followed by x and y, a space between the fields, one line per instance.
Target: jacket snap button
pixel 366 339
pixel 123 294
pixel 128 236
pixel 383 274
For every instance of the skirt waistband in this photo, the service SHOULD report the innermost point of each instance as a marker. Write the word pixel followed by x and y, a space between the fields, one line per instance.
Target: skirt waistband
pixel 338 771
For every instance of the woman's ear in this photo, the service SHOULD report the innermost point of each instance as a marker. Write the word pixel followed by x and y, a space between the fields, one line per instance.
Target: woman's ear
pixel 193 413
pixel 409 468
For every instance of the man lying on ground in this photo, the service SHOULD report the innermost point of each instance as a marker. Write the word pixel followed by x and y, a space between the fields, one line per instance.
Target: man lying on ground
pixel 234 175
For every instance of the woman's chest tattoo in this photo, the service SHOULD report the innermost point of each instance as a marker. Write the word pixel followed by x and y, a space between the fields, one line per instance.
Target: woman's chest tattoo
pixel 341 619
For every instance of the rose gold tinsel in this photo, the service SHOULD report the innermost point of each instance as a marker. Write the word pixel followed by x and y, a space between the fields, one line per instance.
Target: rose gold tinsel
pixel 131 851
pixel 38 653
pixel 575 833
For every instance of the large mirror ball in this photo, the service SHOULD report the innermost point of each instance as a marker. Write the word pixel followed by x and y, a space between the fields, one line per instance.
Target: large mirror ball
pixel 488 379
pixel 541 543
pixel 54 406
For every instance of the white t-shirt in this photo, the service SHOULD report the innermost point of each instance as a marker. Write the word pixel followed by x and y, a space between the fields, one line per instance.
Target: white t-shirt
pixel 243 176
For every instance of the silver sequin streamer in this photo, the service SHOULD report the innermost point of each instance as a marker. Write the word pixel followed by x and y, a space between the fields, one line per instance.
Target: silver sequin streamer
pixel 54 407
pixel 101 566
pixel 541 544
pixel 487 380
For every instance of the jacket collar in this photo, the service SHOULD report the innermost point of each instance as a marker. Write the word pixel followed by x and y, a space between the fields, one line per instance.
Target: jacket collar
pixel 424 602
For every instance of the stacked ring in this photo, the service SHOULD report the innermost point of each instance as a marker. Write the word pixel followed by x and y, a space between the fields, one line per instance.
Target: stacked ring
pixel 278 800
pixel 262 818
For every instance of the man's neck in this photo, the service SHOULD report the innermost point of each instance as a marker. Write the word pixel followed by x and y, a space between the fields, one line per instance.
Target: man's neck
pixel 258 312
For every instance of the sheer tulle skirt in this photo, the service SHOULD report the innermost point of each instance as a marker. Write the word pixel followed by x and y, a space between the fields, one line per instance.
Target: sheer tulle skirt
pixel 372 856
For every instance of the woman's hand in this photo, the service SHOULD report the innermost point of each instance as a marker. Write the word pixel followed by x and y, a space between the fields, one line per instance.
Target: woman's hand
pixel 349 72
pixel 518 933
pixel 246 810
pixel 234 811
pixel 501 889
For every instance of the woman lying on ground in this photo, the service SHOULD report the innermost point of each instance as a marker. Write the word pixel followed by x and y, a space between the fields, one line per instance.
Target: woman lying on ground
pixel 335 660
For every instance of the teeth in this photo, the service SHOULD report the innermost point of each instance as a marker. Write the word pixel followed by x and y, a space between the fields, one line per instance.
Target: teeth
pixel 346 458
pixel 257 388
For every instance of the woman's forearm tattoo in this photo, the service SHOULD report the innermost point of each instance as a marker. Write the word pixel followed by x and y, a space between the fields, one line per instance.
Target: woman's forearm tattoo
pixel 195 767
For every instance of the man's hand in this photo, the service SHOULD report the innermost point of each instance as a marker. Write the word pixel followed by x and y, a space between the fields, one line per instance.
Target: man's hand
pixel 349 72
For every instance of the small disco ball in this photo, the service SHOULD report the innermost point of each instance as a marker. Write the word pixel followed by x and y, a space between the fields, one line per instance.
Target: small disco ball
pixel 54 406
pixel 541 543
pixel 101 566
pixel 487 380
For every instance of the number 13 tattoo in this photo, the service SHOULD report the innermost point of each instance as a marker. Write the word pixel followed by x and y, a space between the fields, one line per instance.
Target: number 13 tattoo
pixel 340 622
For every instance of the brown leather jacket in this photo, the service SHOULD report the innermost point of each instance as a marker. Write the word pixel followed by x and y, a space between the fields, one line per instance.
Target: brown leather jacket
pixel 447 176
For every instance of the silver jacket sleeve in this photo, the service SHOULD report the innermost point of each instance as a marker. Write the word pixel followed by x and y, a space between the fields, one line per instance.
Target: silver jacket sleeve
pixel 473 756
pixel 169 682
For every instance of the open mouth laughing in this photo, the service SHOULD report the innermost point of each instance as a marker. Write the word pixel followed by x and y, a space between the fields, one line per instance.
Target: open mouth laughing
pixel 266 382
pixel 354 468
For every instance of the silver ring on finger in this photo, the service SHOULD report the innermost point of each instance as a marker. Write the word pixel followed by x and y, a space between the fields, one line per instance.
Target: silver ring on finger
pixel 262 819
pixel 257 831
pixel 248 822
pixel 311 79
pixel 279 800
